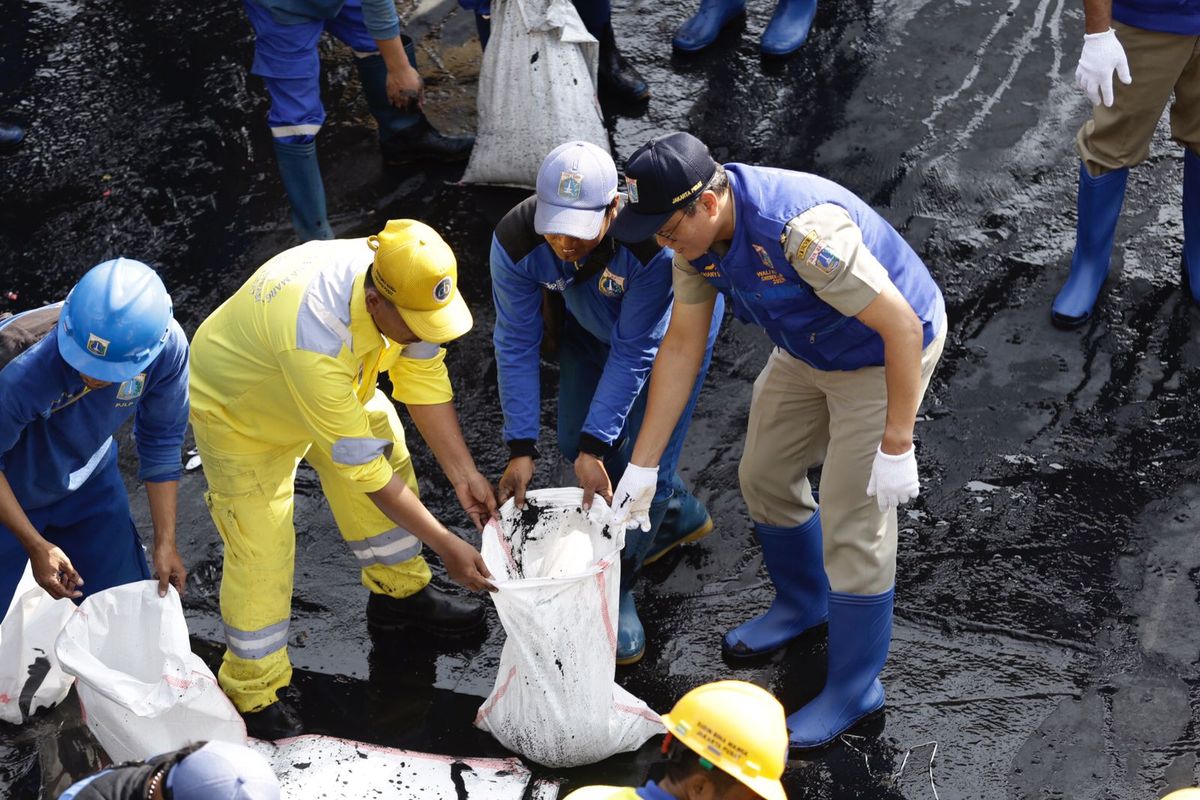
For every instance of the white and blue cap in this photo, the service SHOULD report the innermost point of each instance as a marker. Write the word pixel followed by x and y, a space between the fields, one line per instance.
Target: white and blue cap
pixel 575 185
pixel 223 771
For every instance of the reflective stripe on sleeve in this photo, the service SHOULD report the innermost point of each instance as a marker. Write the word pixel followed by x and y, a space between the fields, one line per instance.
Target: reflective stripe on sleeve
pixel 353 452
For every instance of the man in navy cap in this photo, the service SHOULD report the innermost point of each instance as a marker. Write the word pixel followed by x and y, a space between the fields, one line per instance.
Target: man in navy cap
pixel 202 771
pixel 555 266
pixel 858 325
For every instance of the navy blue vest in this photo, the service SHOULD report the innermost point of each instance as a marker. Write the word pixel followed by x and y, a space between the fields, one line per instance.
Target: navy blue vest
pixel 765 290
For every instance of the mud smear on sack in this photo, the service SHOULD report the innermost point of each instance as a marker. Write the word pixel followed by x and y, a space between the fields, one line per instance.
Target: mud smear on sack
pixel 1047 631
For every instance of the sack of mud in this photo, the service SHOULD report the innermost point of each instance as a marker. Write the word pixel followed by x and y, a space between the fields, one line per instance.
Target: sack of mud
pixel 30 676
pixel 537 89
pixel 558 575
pixel 142 689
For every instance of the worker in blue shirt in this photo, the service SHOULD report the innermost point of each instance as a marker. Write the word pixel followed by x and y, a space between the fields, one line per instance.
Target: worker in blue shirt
pixel 286 34
pixel 109 352
pixel 1153 47
pixel 858 326
pixel 615 308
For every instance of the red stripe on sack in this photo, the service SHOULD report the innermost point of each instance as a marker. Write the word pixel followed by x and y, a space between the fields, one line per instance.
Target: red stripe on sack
pixel 504 545
pixel 640 712
pixel 612 635
pixel 483 712
pixel 178 683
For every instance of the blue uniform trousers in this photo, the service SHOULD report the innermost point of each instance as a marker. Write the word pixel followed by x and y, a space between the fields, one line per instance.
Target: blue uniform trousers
pixel 93 526
pixel 581 359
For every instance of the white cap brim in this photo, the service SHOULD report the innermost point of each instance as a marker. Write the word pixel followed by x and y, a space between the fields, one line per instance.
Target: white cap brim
pixel 582 223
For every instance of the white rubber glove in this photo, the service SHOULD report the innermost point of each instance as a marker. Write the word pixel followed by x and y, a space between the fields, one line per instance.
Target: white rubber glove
pixel 632 498
pixel 894 479
pixel 1102 54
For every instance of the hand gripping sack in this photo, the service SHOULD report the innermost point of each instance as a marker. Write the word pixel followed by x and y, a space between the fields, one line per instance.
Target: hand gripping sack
pixel 142 689
pixel 30 676
pixel 558 575
pixel 537 89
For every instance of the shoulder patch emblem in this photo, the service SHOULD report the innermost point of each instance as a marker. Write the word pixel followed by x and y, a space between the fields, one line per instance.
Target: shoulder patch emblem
pixel 825 260
pixel 611 285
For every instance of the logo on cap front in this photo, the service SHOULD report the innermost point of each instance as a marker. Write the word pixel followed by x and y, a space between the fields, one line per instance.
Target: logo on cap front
pixel 97 346
pixel 632 185
pixel 442 291
pixel 570 185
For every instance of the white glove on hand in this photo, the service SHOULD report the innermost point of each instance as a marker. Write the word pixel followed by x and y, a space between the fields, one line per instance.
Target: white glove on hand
pixel 632 498
pixel 1102 54
pixel 894 479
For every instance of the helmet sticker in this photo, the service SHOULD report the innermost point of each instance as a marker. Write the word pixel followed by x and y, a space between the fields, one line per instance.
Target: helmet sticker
pixel 97 346
pixel 442 291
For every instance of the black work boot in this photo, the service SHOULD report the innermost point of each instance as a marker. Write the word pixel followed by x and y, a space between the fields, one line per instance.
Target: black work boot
pixel 430 610
pixel 422 142
pixel 277 721
pixel 618 79
pixel 11 136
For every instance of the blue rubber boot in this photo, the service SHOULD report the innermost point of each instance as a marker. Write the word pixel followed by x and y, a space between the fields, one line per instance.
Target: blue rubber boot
pixel 686 520
pixel 795 562
pixel 1100 202
pixel 11 136
pixel 788 27
pixel 631 637
pixel 860 630
pixel 1191 223
pixel 702 28
pixel 302 181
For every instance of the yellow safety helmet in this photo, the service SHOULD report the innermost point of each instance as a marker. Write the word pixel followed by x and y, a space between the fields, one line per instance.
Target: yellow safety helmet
pixel 739 728
pixel 1184 794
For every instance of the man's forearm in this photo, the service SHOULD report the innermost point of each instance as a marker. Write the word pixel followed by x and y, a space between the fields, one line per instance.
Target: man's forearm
pixel 1097 15
pixel 671 380
pixel 13 517
pixel 402 506
pixel 439 428
pixel 394 56
pixel 163 497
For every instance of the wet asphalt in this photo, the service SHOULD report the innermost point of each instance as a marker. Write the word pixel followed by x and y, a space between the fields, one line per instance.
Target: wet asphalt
pixel 1047 619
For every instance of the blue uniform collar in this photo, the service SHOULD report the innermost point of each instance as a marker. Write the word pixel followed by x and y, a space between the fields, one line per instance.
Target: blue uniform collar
pixel 652 791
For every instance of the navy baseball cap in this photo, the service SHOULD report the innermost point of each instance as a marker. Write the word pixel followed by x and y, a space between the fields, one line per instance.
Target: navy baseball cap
pixel 662 176
pixel 575 185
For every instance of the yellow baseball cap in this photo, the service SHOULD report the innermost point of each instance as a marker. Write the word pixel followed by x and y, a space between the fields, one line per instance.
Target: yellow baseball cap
pixel 417 272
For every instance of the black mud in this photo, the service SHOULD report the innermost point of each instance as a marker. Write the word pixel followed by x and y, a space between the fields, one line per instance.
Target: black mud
pixel 1047 627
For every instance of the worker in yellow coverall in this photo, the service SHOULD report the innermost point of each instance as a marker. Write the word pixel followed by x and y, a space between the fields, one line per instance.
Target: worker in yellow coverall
pixel 286 369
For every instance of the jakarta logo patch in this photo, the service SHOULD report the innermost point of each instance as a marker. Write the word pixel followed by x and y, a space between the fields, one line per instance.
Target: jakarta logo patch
pixel 97 346
pixel 611 285
pixel 132 389
pixel 570 185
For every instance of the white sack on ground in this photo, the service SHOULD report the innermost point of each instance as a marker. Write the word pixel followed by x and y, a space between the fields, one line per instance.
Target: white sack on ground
pixel 142 689
pixel 537 89
pixel 327 768
pixel 555 700
pixel 30 675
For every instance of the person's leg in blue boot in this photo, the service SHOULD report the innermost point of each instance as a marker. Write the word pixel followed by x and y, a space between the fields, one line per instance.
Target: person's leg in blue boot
pixel 1191 222
pixel 1100 201
pixel 794 560
pixel 405 135
pixel 789 26
pixel 631 636
pixel 301 177
pixel 860 631
pixel 702 28
pixel 285 56
pixel 617 78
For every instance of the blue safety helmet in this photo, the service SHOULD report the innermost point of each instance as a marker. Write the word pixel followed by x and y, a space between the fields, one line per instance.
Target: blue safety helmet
pixel 115 321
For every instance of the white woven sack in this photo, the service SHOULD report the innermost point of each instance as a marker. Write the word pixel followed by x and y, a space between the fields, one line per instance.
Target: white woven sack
pixel 30 676
pixel 537 90
pixel 558 575
pixel 142 689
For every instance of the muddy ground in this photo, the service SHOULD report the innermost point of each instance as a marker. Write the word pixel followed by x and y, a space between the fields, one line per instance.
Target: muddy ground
pixel 1047 625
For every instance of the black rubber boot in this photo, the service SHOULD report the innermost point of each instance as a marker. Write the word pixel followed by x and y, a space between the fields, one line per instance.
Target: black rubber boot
pixel 617 78
pixel 422 142
pixel 430 610
pixel 277 721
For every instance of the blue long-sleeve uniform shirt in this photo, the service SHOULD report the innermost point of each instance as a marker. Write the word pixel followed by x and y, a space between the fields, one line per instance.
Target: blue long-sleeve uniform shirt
pixel 54 435
pixel 626 305
pixel 379 16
